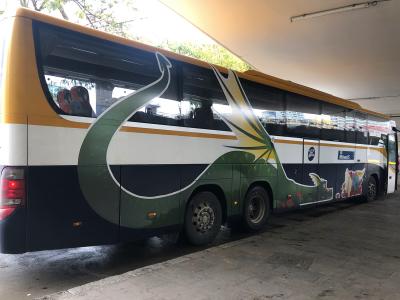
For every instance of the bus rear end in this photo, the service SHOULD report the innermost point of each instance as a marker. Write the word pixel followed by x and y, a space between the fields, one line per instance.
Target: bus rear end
pixel 13 141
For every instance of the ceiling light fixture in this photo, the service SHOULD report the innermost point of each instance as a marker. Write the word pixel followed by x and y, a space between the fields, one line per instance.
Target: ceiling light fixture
pixel 336 10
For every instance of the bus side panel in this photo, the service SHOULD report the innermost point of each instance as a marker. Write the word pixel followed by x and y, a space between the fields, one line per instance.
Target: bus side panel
pixel 236 210
pixel 329 172
pixel 58 214
pixel 221 174
pixel 168 188
pixel 261 173
pixel 295 171
pixel 149 181
pixel 12 232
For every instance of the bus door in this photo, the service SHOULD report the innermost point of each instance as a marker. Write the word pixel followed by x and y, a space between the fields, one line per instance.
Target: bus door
pixel 392 162
pixel 311 149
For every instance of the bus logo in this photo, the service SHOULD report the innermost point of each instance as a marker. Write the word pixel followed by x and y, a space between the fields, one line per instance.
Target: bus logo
pixel 345 155
pixel 311 153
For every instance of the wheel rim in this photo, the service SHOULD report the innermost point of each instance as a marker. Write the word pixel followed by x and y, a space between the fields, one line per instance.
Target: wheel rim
pixel 256 210
pixel 203 217
pixel 371 191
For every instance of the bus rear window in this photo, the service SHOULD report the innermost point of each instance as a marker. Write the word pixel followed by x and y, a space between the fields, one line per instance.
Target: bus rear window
pixel 83 75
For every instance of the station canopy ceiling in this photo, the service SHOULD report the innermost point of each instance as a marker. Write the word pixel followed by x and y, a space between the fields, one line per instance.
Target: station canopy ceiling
pixel 353 53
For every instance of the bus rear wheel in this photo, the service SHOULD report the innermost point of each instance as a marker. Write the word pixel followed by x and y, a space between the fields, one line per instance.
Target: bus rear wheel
pixel 256 208
pixel 372 189
pixel 203 218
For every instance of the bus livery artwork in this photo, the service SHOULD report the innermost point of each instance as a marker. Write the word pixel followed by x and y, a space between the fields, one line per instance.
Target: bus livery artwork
pixel 254 146
pixel 120 141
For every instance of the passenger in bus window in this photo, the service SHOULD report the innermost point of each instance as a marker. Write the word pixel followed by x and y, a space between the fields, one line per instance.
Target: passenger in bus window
pixel 203 115
pixel 64 100
pixel 80 105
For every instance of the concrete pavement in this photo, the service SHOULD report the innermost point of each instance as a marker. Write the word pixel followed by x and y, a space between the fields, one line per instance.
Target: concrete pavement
pixel 349 253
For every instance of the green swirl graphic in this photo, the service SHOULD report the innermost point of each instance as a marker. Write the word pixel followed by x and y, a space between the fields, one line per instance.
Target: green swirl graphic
pixel 96 180
pixel 254 149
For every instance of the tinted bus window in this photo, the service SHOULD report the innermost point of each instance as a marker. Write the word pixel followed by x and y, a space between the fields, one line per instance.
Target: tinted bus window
pixel 361 128
pixel 203 101
pixel 268 105
pixel 85 75
pixel 303 117
pixel 378 128
pixel 333 120
pixel 350 127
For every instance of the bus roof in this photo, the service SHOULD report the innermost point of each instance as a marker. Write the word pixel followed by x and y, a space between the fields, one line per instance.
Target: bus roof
pixel 252 75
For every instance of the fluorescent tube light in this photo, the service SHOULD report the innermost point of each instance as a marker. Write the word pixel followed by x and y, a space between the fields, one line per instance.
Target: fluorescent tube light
pixel 336 10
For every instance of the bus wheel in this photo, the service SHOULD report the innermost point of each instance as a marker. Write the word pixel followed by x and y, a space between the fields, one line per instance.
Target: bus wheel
pixel 203 218
pixel 256 208
pixel 372 189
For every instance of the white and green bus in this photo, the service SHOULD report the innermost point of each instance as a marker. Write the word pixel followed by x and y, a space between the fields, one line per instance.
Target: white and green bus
pixel 105 140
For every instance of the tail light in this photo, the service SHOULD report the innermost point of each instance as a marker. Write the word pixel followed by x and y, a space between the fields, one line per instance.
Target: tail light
pixel 12 194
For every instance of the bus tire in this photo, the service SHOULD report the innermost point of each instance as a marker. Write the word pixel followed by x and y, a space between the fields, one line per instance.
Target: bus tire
pixel 372 189
pixel 203 218
pixel 256 208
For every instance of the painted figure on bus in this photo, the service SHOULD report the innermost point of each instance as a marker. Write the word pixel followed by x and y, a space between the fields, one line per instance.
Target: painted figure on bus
pixel 352 185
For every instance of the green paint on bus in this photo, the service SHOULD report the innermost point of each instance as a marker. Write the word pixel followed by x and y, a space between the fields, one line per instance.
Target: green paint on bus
pixel 255 153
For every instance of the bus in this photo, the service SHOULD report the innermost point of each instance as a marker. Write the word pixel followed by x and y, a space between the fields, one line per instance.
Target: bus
pixel 106 140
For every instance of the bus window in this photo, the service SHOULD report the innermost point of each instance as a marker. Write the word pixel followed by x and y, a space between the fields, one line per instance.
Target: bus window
pixel 361 128
pixel 268 105
pixel 203 100
pixel 73 97
pixel 350 127
pixel 84 75
pixel 332 119
pixel 303 117
pixel 158 111
pixel 377 127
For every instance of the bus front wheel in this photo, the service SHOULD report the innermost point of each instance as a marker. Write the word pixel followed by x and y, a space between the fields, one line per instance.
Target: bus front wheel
pixel 203 218
pixel 372 189
pixel 256 208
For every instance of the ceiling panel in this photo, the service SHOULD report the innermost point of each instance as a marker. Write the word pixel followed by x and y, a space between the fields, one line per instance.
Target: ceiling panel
pixel 354 54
